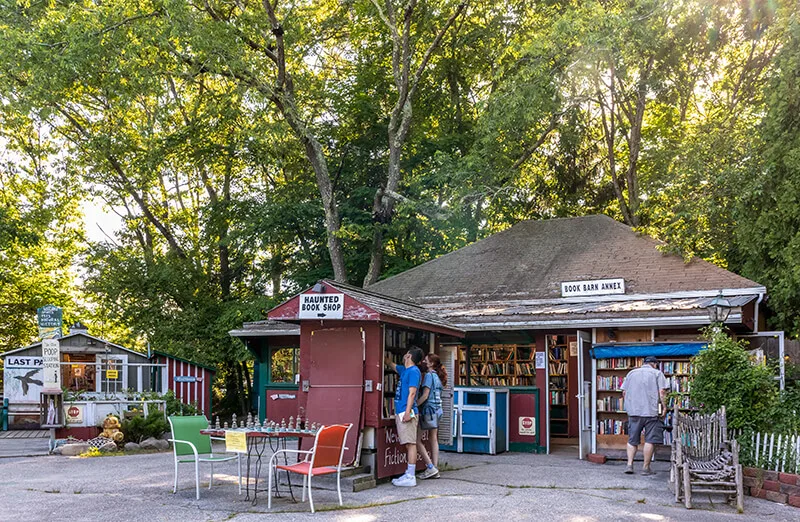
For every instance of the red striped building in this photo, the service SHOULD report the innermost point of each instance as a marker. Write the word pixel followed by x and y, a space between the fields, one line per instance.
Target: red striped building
pixel 190 381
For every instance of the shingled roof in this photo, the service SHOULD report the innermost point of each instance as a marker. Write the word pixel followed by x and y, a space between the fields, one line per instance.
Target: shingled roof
pixel 531 259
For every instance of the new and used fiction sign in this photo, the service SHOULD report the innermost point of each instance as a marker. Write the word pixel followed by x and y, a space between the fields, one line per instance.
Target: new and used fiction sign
pixel 321 306
pixel 597 287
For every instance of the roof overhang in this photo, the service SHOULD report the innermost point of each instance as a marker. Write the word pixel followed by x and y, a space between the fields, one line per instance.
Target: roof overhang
pixel 363 305
pixel 103 342
pixel 268 328
pixel 524 314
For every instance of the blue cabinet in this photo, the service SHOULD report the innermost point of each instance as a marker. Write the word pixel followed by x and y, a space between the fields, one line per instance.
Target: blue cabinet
pixel 480 420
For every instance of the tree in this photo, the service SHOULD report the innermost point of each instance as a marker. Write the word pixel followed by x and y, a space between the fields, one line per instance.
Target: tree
pixel 407 73
pixel 40 231
pixel 767 213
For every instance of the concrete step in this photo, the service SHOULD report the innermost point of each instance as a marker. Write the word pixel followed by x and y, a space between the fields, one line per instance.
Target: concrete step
pixel 352 482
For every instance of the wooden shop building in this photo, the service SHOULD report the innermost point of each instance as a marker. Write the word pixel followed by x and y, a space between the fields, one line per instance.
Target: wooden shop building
pixel 562 306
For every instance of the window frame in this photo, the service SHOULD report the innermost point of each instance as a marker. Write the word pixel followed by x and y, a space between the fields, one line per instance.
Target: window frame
pixel 296 363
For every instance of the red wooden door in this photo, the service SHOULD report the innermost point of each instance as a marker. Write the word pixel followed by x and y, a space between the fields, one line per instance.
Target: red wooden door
pixel 336 381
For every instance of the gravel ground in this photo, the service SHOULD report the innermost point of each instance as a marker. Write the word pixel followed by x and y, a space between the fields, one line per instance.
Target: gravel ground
pixel 511 486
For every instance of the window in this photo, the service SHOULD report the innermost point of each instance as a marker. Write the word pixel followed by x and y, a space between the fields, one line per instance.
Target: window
pixel 283 365
pixel 112 373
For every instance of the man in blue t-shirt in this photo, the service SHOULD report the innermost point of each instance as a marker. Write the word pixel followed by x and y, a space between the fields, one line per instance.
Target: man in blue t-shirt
pixel 405 406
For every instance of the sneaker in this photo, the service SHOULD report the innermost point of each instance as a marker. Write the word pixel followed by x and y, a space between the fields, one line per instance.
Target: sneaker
pixel 648 472
pixel 429 473
pixel 629 470
pixel 406 481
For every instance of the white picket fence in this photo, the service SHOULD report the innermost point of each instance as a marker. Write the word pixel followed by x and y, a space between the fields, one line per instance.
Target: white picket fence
pixel 770 451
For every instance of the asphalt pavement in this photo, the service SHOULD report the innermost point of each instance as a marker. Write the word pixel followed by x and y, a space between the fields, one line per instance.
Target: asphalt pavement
pixel 510 486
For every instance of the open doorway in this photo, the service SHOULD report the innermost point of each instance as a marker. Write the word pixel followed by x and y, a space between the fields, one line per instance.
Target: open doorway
pixel 569 393
pixel 562 387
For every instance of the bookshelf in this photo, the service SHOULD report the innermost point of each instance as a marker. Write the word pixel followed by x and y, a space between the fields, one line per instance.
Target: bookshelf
pixel 497 365
pixel 558 384
pixel 612 425
pixel 396 342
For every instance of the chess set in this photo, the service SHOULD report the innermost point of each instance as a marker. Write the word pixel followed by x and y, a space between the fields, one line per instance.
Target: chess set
pixel 298 425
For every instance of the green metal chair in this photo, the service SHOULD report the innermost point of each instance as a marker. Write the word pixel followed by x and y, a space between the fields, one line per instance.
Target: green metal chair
pixel 190 446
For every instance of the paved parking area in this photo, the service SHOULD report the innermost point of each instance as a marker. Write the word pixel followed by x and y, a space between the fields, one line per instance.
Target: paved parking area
pixel 511 486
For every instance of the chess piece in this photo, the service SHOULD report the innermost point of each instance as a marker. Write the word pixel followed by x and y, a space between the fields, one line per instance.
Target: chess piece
pixel 283 424
pixel 249 420
pixel 226 425
pixel 299 423
pixel 290 427
pixel 217 423
pixel 233 422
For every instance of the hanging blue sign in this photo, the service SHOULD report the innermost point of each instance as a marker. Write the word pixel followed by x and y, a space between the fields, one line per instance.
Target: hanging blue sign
pixel 185 378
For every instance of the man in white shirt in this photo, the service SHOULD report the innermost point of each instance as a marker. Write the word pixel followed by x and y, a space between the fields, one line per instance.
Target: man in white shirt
pixel 644 388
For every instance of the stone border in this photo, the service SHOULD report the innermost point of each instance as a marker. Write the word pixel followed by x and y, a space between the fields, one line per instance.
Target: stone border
pixel 772 485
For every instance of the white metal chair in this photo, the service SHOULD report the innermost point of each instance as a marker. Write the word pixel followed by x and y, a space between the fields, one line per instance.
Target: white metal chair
pixel 324 458
pixel 190 446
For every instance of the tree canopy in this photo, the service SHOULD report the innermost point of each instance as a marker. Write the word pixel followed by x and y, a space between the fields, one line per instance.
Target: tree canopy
pixel 252 147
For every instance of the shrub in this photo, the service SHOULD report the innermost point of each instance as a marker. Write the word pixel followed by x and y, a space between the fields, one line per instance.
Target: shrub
pixel 176 407
pixel 140 428
pixel 726 375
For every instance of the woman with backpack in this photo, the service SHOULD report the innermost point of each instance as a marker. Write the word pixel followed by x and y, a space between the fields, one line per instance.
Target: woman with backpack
pixel 430 411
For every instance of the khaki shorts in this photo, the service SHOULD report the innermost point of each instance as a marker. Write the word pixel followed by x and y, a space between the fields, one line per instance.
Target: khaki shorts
pixel 407 431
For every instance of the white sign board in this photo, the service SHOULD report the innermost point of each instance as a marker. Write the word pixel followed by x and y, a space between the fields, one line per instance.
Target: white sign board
pixel 597 287
pixel 541 360
pixel 74 413
pixel 321 306
pixel 527 426
pixel 51 357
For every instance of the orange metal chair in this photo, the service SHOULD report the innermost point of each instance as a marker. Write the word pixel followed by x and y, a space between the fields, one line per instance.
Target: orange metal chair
pixel 323 459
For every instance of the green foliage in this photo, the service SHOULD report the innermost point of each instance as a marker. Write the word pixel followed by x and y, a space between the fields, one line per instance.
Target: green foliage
pixel 139 428
pixel 167 112
pixel 176 407
pixel 768 214
pixel 727 376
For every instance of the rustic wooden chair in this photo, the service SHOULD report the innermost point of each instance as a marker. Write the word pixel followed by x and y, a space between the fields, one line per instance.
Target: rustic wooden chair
pixel 703 459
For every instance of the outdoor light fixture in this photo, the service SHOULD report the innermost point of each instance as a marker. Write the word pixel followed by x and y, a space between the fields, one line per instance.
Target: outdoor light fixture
pixel 719 309
pixel 318 288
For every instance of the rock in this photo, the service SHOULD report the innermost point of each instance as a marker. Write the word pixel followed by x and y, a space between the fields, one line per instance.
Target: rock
pixel 166 435
pixel 132 446
pixel 71 450
pixel 154 444
pixel 108 447
pixel 57 450
pixel 149 444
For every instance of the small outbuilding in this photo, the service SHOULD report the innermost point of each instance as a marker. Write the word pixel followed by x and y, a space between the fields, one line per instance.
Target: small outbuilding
pixel 99 377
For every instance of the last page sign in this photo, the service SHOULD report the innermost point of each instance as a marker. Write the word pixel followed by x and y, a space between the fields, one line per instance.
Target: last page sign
pixel 321 306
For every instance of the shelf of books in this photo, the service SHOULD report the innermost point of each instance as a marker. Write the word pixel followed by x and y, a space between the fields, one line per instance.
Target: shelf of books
pixel 612 425
pixel 396 343
pixel 558 383
pixel 497 365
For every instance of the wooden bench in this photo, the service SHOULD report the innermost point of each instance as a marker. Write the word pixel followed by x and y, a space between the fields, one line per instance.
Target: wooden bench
pixel 703 459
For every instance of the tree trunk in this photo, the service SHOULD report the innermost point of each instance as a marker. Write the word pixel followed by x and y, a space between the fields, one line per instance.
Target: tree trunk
pixel 248 385
pixel 240 391
pixel 316 156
